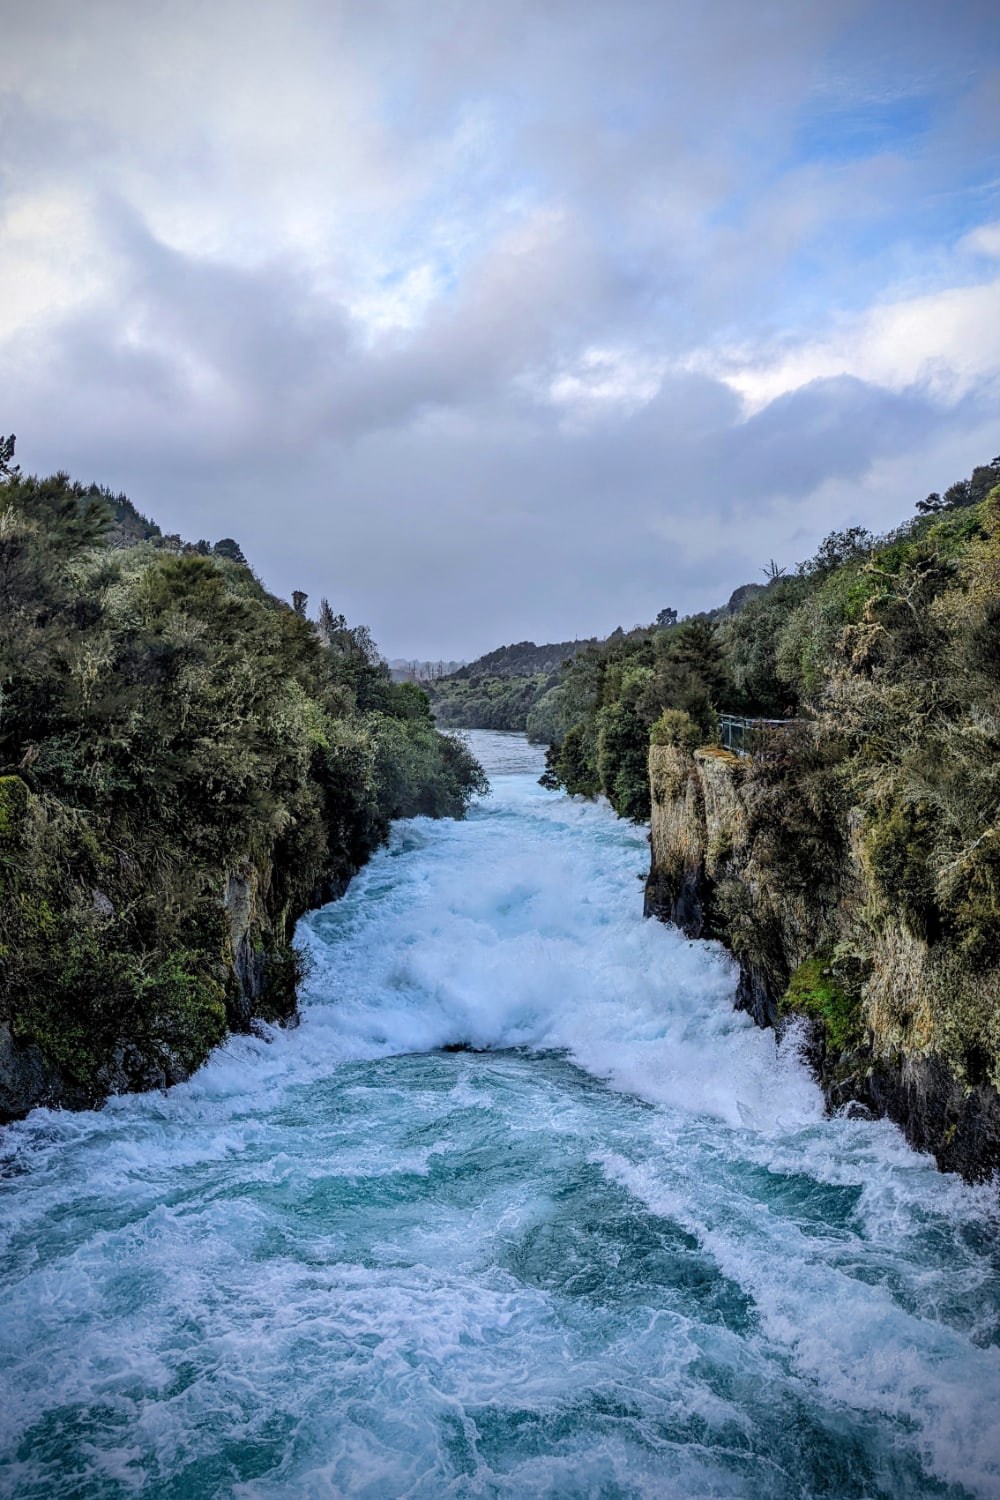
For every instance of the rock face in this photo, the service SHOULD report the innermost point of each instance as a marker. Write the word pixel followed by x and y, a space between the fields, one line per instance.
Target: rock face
pixel 252 977
pixel 896 1025
pixel 260 961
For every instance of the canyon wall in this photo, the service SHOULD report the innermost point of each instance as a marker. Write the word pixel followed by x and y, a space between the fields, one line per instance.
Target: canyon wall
pixel 897 1022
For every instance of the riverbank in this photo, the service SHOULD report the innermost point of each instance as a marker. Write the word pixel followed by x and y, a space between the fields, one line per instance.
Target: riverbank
pixel 187 764
pixel 895 1026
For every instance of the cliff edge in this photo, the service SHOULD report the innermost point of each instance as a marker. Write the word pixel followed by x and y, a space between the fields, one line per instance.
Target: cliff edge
pixel 898 1022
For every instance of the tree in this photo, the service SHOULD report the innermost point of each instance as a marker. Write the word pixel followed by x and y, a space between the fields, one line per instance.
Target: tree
pixel 8 470
pixel 666 618
pixel 838 548
pixel 230 549
pixel 299 602
pixel 327 622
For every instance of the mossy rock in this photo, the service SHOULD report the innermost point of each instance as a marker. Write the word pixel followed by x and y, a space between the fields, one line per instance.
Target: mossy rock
pixel 670 768
pixel 719 848
pixel 814 991
pixel 897 846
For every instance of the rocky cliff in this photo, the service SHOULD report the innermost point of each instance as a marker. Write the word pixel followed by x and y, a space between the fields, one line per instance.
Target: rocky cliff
pixel 187 764
pixel 898 1022
pixel 248 973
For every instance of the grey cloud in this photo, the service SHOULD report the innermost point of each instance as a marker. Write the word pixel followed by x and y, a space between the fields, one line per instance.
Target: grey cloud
pixel 575 177
pixel 454 546
pixel 833 428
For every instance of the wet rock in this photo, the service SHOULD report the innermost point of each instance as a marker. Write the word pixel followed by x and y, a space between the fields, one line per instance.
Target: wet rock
pixel 894 1031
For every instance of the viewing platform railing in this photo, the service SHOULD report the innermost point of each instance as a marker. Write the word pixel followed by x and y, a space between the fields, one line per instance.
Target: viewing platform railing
pixel 746 736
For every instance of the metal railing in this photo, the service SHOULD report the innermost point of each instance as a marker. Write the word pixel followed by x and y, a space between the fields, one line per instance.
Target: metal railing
pixel 748 736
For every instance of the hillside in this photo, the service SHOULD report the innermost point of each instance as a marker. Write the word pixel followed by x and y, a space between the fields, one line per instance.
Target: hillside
pixel 850 860
pixel 520 659
pixel 505 689
pixel 187 764
pixel 517 687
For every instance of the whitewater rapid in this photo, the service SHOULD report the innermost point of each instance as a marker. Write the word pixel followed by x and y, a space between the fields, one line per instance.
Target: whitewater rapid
pixel 612 1248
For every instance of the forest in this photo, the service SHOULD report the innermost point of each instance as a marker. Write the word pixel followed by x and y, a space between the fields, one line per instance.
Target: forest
pixel 187 764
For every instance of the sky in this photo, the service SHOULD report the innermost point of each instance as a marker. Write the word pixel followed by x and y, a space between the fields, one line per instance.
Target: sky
pixel 493 320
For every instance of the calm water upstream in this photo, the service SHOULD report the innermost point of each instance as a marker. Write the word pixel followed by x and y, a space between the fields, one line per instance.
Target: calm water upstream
pixel 617 1253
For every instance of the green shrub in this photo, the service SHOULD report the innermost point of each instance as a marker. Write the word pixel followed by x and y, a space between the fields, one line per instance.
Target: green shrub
pixel 973 909
pixel 570 766
pixel 13 810
pixel 675 727
pixel 623 761
pixel 182 1009
pixel 814 991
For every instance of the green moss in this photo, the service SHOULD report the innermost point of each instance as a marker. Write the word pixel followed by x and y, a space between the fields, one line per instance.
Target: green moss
pixel 814 991
pixel 14 796
pixel 38 920
pixel 65 1042
pixel 897 845
pixel 183 1009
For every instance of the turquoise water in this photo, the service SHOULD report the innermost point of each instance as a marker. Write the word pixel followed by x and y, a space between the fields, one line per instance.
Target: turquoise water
pixel 617 1253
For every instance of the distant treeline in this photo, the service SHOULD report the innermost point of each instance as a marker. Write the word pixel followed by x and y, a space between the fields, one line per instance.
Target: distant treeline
pixel 505 689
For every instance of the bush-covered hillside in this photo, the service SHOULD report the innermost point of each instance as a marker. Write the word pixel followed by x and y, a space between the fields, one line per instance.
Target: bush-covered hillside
pixel 851 864
pixel 186 765
pixel 505 689
pixel 889 644
pixel 521 659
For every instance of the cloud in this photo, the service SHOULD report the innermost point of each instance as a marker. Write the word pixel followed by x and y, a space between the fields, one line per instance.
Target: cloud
pixel 944 343
pixel 502 320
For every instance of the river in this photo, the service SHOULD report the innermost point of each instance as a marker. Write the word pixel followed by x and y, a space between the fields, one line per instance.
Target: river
pixel 612 1248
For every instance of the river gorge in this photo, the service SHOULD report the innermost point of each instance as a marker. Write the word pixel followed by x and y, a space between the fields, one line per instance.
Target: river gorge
pixel 523 1207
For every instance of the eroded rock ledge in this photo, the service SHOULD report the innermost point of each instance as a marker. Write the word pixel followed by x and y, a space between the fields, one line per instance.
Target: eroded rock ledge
pixel 896 1025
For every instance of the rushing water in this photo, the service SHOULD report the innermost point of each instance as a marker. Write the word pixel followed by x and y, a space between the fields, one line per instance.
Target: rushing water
pixel 618 1252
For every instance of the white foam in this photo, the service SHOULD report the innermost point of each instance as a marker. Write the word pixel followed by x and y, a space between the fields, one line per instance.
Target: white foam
pixel 849 1336
pixel 526 930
